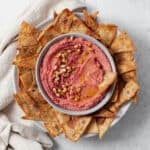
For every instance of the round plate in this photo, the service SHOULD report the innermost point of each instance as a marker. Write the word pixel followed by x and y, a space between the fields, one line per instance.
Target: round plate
pixel 39 124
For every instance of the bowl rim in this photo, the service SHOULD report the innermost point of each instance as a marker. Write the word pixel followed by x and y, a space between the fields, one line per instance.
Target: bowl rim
pixel 43 52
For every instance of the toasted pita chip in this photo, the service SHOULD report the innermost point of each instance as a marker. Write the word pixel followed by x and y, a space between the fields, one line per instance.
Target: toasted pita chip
pixel 73 126
pixel 103 125
pixel 33 110
pixel 65 22
pixel 92 127
pixel 114 97
pixel 94 15
pixel 55 14
pixel 62 118
pixel 125 56
pixel 122 43
pixel 26 79
pixel 44 113
pixel 108 80
pixel 26 103
pixel 104 113
pixel 90 21
pixel 107 33
pixel 53 128
pixel 130 89
pixel 28 35
pixel 111 106
pixel 129 75
pixel 35 94
pixel 28 62
pixel 126 66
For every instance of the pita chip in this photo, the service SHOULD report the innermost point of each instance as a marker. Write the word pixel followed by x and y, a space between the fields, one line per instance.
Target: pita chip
pixel 122 43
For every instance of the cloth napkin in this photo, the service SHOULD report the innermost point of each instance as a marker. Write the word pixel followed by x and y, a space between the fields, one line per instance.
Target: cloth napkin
pixel 22 135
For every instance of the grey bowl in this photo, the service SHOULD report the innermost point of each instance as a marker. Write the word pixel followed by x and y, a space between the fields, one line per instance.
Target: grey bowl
pixel 43 92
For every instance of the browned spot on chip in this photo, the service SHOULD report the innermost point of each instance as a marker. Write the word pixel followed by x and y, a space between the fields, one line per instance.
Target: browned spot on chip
pixel 53 128
pixel 90 21
pixel 55 14
pixel 122 43
pixel 104 113
pixel 126 66
pixel 28 35
pixel 114 97
pixel 73 127
pixel 26 103
pixel 35 94
pixel 33 110
pixel 28 62
pixel 65 22
pixel 94 15
pixel 92 127
pixel 129 75
pixel 125 56
pixel 107 33
pixel 130 89
pixel 108 80
pixel 103 125
pixel 26 79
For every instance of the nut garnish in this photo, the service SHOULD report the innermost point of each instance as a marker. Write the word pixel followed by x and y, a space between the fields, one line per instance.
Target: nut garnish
pixel 72 37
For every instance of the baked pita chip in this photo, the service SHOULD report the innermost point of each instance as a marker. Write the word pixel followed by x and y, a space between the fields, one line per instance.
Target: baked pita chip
pixel 126 66
pixel 55 14
pixel 114 97
pixel 109 79
pixel 33 110
pixel 90 21
pixel 92 127
pixel 28 62
pixel 129 75
pixel 28 36
pixel 36 95
pixel 107 33
pixel 44 113
pixel 111 106
pixel 122 43
pixel 73 126
pixel 103 125
pixel 129 91
pixel 104 113
pixel 53 128
pixel 94 15
pixel 125 56
pixel 26 79
pixel 65 22
pixel 27 104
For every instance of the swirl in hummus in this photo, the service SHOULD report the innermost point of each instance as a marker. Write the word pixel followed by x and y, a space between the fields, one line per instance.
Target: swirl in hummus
pixel 71 72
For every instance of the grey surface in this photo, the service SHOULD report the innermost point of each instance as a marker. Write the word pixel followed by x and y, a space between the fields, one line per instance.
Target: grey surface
pixel 133 131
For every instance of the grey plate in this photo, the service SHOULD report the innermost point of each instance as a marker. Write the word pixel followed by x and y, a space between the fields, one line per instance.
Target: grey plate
pixel 123 110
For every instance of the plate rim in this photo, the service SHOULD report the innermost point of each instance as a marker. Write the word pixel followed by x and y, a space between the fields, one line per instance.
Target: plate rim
pixel 123 110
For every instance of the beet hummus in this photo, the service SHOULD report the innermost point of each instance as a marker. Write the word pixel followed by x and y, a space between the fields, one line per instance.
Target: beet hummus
pixel 71 71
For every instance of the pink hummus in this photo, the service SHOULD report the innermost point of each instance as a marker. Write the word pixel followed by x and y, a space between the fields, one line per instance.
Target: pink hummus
pixel 71 71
